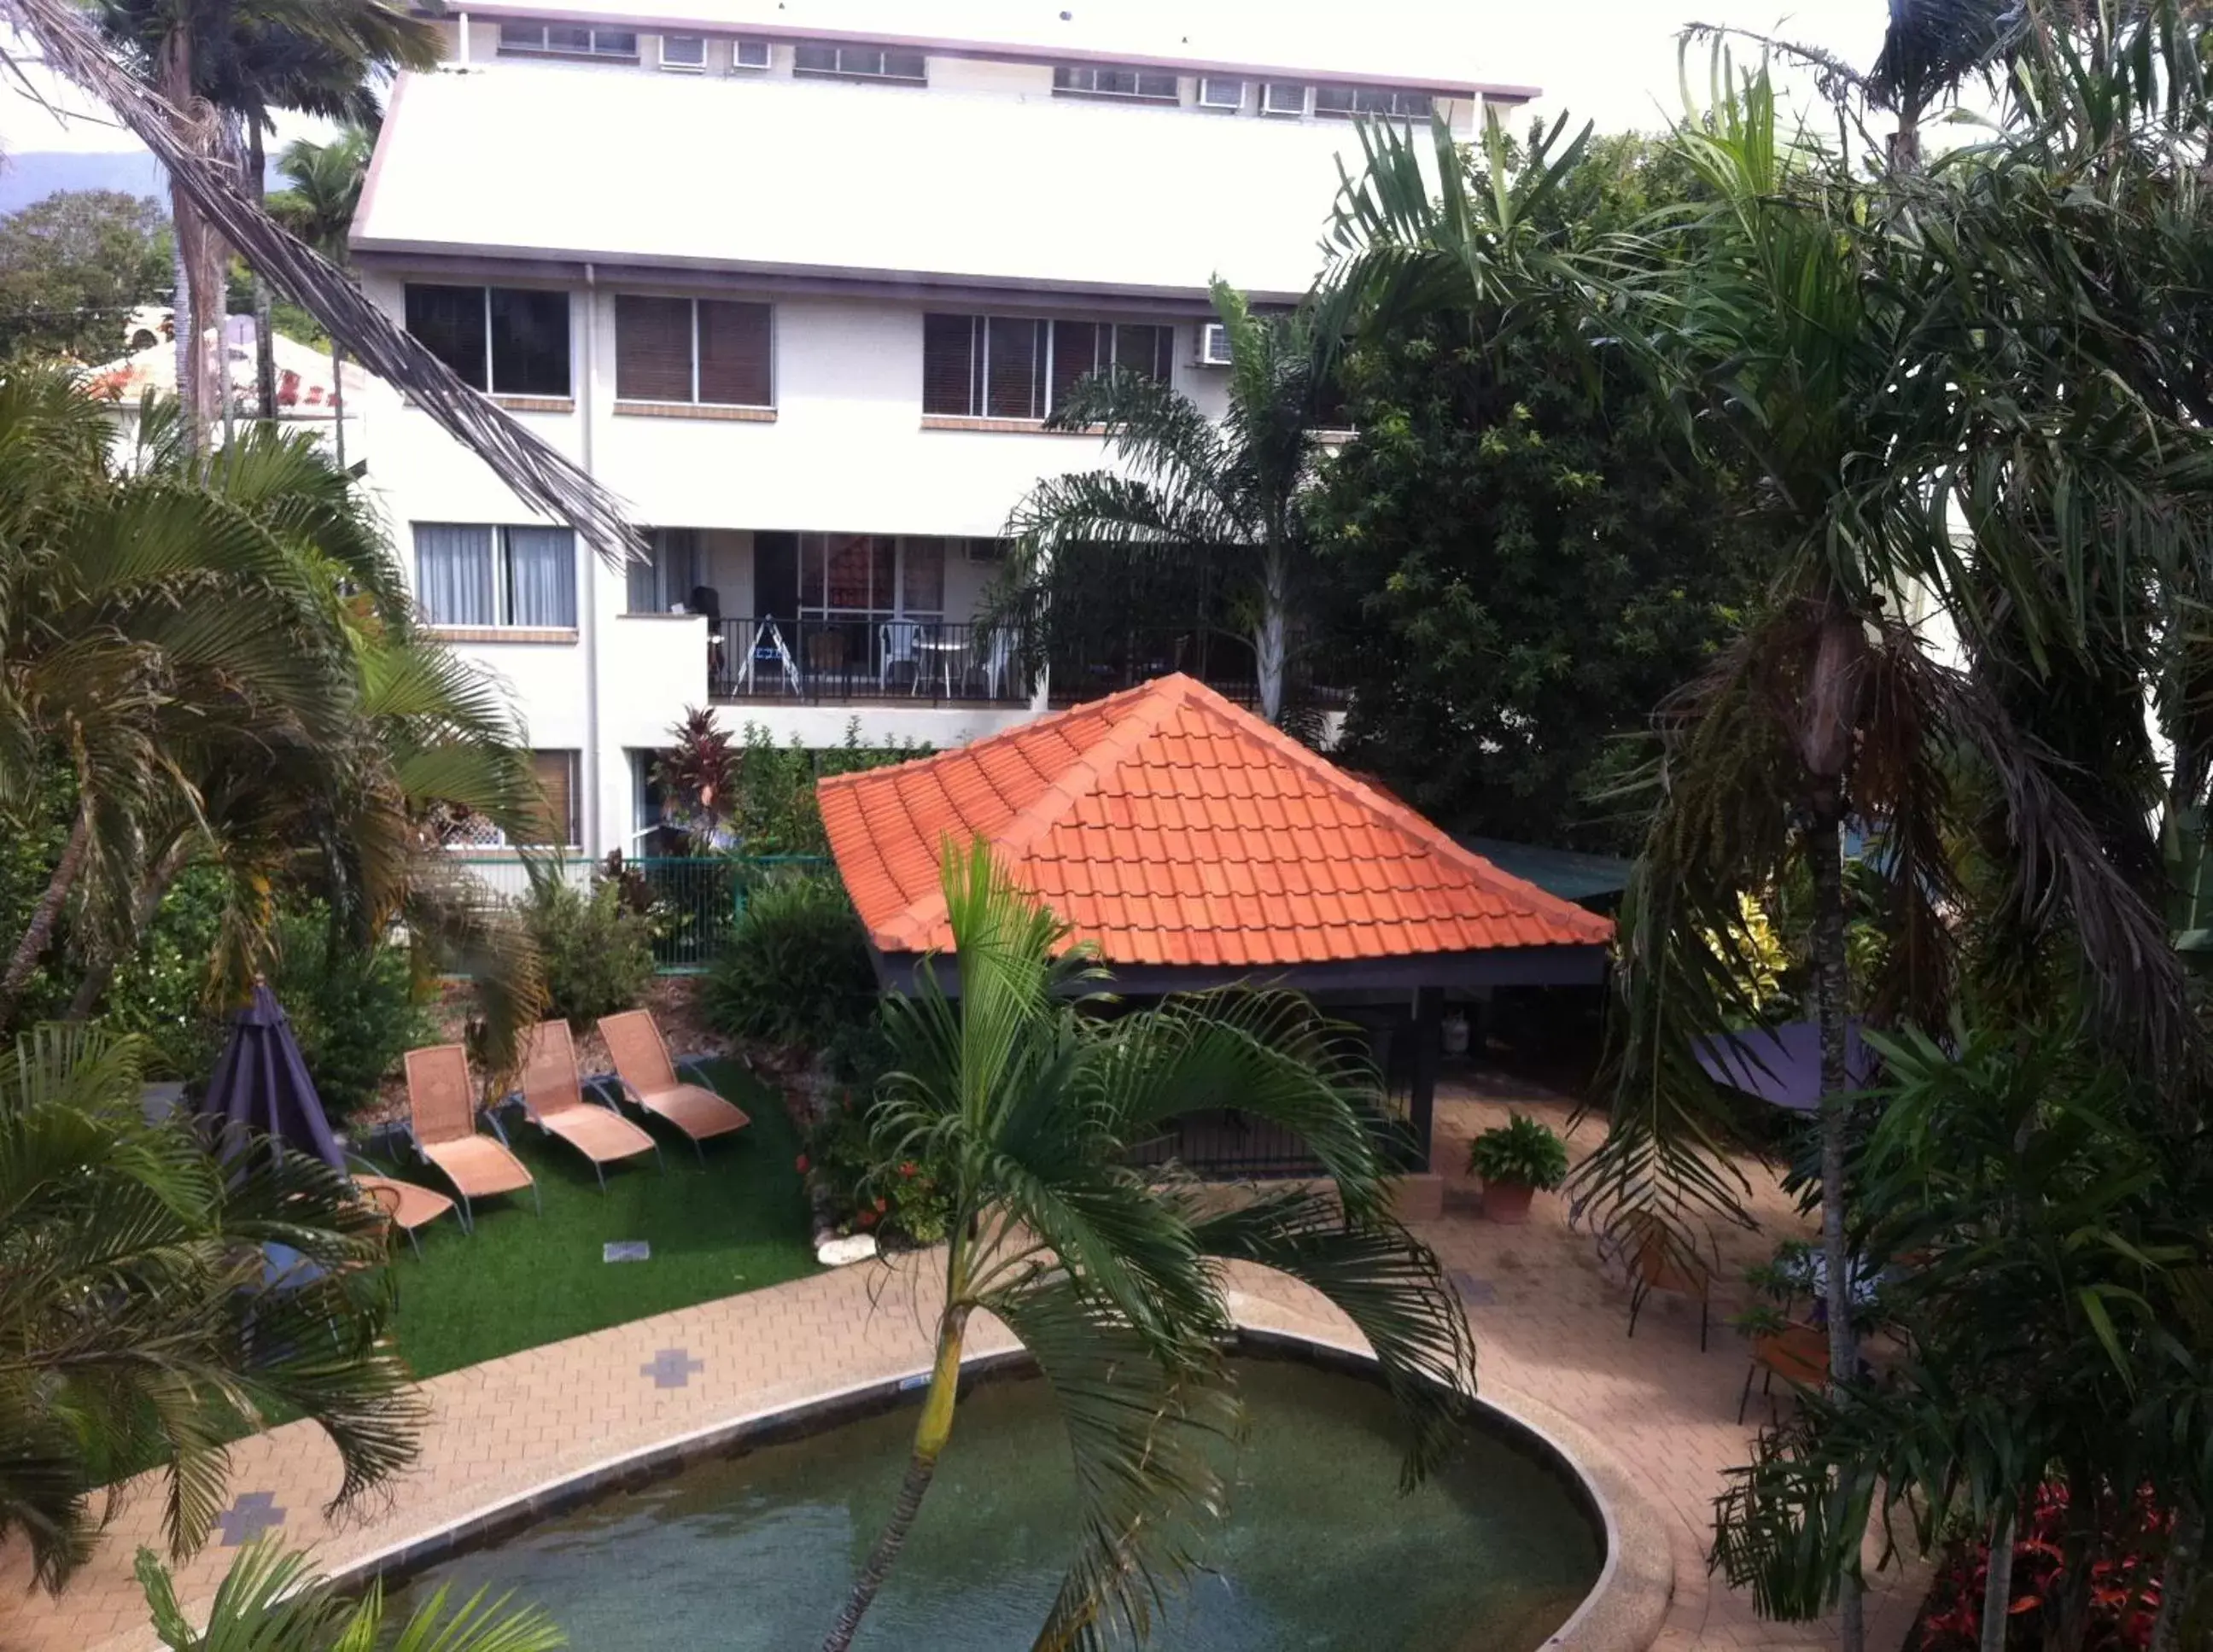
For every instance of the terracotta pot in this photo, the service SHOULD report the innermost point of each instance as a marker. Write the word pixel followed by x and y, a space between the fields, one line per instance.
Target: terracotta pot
pixel 1507 1201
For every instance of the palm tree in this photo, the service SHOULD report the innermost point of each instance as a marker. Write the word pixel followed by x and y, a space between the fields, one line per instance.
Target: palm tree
pixel 245 58
pixel 350 814
pixel 1930 50
pixel 1806 322
pixel 141 616
pixel 523 461
pixel 1025 1097
pixel 136 1328
pixel 271 1601
pixel 1227 492
pixel 325 183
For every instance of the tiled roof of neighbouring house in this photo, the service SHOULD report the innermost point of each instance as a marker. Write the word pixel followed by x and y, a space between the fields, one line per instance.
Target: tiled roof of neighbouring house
pixel 1172 827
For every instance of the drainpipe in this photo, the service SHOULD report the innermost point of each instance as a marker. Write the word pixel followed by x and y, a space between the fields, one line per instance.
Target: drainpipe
pixel 464 59
pixel 587 403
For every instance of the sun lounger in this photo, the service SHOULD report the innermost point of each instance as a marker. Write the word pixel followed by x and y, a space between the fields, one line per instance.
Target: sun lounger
pixel 442 1112
pixel 553 1097
pixel 407 1205
pixel 648 1078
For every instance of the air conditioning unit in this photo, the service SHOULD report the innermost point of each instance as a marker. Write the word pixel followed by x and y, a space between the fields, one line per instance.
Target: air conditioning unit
pixel 1214 345
pixel 1284 98
pixel 1215 93
pixel 748 54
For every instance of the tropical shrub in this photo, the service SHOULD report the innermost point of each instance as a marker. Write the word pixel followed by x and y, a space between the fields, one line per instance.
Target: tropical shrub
pixel 904 1199
pixel 2125 1586
pixel 796 968
pixel 597 949
pixel 1523 1152
pixel 354 1008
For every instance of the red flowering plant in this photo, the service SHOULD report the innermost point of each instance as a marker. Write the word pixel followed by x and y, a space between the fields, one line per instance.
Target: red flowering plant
pixel 904 1199
pixel 2124 1593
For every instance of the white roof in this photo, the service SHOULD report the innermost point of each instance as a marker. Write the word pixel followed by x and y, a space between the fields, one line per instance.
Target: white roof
pixel 815 179
pixel 1401 42
pixel 303 374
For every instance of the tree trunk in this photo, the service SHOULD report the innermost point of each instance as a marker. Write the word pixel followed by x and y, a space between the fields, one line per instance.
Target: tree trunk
pixel 1997 1584
pixel 931 1434
pixel 1824 850
pixel 143 907
pixel 2178 1581
pixel 265 345
pixel 192 236
pixel 338 399
pixel 46 913
pixel 1271 635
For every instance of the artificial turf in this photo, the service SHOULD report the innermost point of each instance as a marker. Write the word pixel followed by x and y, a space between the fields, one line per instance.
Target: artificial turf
pixel 523 1279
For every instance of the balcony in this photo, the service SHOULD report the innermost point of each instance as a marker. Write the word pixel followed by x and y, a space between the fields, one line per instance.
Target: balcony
pixel 1094 664
pixel 832 661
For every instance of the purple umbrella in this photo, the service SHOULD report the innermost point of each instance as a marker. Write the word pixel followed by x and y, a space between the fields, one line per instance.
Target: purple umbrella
pixel 262 1084
pixel 1783 1065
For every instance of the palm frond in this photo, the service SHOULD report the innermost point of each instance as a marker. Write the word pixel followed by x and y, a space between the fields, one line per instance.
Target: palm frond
pixel 522 460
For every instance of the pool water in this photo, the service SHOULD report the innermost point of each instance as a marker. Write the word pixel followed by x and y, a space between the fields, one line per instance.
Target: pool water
pixel 1320 1551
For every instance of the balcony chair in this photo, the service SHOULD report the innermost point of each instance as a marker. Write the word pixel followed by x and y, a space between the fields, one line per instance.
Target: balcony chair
pixel 895 646
pixel 993 659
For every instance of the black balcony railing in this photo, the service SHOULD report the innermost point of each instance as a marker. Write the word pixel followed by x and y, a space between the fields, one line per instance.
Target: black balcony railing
pixel 927 660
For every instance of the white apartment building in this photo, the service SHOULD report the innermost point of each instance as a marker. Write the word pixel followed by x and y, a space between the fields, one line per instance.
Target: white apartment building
pixel 801 285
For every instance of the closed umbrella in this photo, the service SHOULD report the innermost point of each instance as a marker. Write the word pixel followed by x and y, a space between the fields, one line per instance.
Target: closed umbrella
pixel 261 1083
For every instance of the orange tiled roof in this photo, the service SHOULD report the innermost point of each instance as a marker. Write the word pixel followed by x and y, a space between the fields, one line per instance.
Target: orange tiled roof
pixel 1172 827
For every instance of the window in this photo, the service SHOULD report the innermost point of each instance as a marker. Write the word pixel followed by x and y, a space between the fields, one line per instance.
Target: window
pixel 665 582
pixel 1144 85
pixel 518 577
pixel 684 52
pixel 1215 93
pixel 859 62
pixel 556 774
pixel 749 54
pixel 512 341
pixel 1284 98
pixel 567 40
pixel 1344 102
pixel 999 367
pixel 691 350
pixel 850 575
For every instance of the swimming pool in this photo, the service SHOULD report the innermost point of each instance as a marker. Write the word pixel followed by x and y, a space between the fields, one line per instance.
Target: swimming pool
pixel 753 1550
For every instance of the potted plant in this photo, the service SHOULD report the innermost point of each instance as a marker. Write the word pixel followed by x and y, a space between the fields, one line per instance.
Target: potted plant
pixel 1516 1160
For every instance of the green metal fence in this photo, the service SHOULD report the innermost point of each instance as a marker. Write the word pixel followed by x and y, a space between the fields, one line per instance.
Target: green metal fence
pixel 693 899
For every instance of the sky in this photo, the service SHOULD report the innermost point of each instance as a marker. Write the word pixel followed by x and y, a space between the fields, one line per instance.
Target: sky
pixel 1614 61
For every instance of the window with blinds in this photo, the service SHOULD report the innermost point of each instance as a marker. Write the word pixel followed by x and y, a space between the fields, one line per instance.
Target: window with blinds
pixel 567 41
pixel 684 52
pixel 560 826
pixel 858 62
pixel 1348 102
pixel 1003 366
pixel 705 350
pixel 1093 81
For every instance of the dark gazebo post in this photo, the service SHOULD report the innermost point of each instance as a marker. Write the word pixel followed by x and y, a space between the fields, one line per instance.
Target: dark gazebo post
pixel 1422 1084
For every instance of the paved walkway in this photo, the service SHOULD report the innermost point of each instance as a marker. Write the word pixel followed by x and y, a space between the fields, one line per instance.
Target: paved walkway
pixel 1549 1327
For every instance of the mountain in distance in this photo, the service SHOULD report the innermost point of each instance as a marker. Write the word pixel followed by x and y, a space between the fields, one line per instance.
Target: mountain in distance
pixel 33 175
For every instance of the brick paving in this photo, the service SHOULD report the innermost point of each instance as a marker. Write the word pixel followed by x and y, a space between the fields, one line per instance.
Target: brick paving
pixel 1549 1322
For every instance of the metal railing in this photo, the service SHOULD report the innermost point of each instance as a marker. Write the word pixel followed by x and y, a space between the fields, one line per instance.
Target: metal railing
pixel 875 658
pixel 692 901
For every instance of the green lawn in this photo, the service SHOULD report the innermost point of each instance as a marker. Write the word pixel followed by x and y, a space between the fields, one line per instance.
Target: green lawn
pixel 521 1280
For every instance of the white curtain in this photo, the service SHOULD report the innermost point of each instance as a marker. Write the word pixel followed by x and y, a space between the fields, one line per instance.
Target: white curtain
pixel 541 571
pixel 454 574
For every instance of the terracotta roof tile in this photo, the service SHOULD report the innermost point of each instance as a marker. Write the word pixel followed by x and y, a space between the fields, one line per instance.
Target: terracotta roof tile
pixel 1172 827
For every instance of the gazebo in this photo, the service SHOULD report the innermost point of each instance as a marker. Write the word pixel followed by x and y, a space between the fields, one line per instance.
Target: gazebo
pixel 1195 845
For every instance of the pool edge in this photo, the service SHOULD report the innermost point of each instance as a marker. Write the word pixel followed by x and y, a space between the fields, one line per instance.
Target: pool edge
pixel 1623 1612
